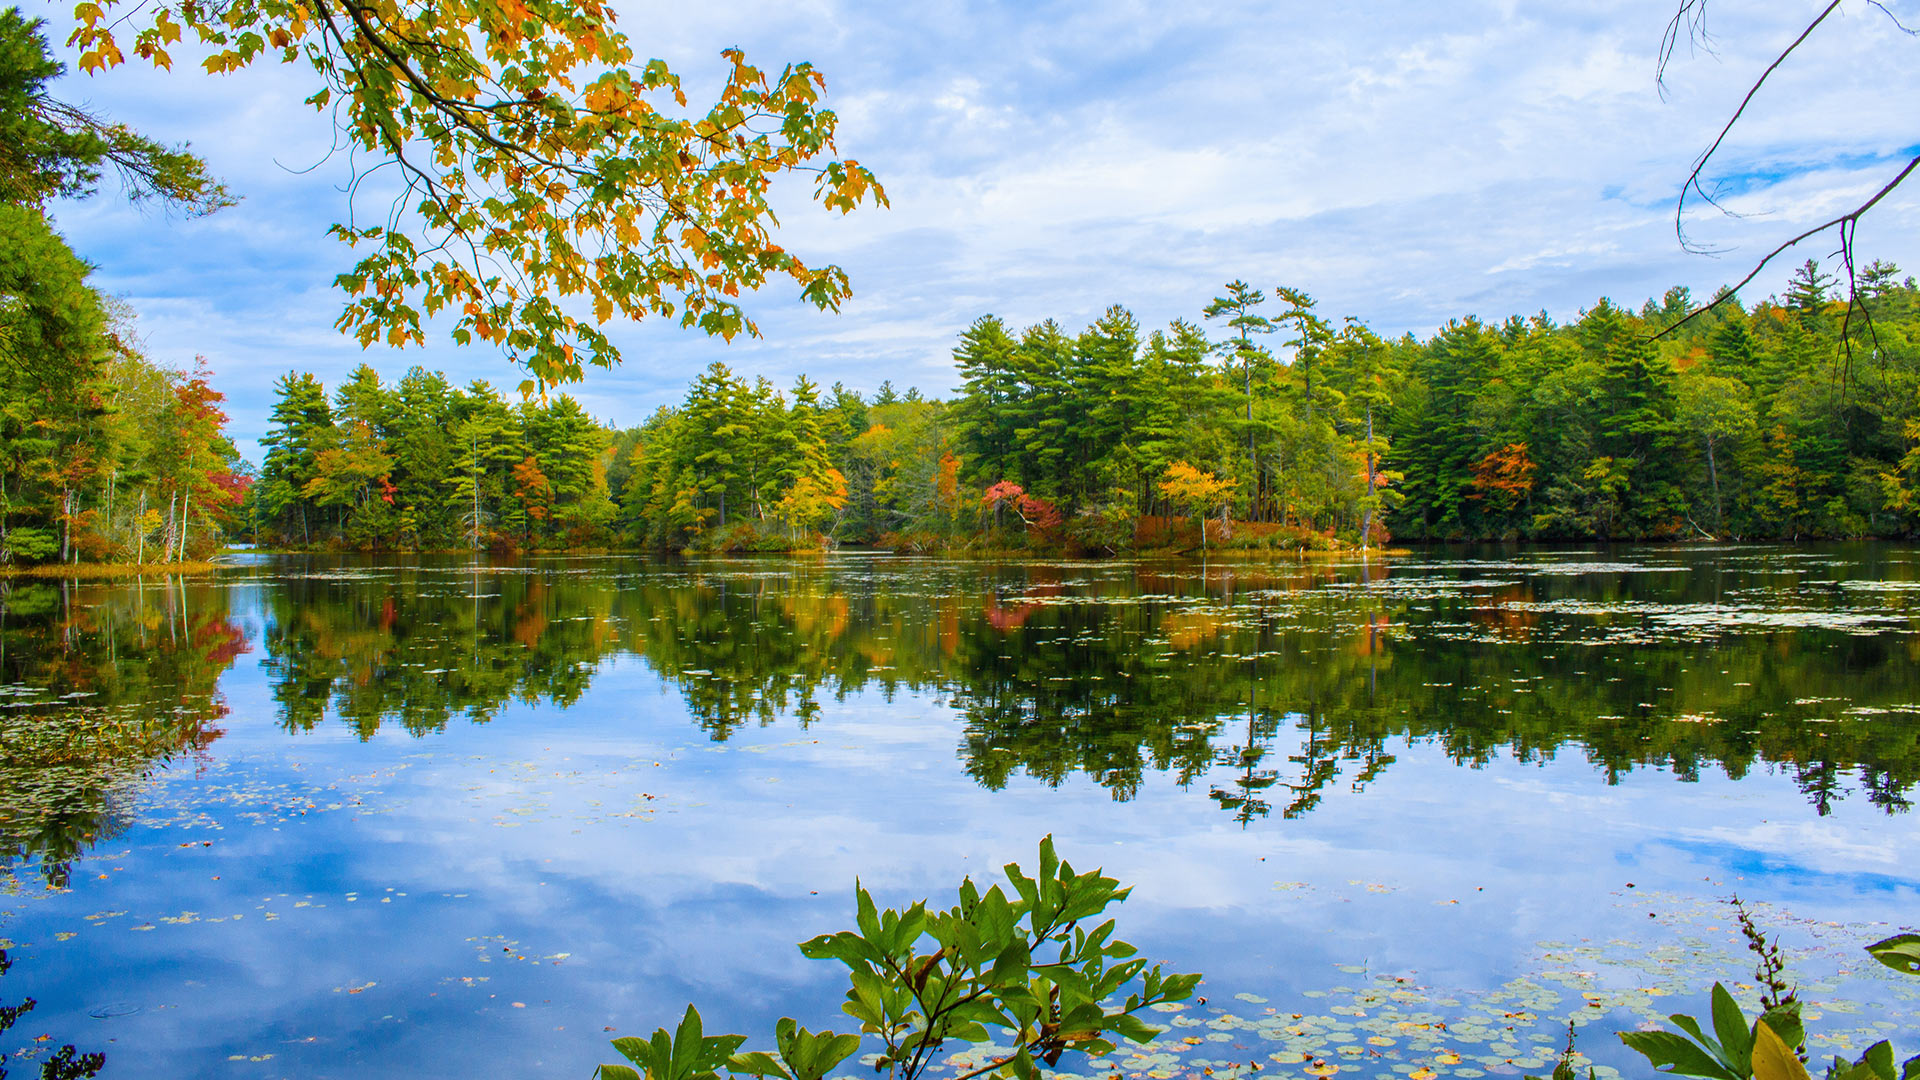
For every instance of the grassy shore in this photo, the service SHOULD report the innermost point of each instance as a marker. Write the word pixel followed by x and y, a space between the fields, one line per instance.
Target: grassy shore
pixel 108 571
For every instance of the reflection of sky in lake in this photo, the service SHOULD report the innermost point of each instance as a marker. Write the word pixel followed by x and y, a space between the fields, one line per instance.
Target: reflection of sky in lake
pixel 489 899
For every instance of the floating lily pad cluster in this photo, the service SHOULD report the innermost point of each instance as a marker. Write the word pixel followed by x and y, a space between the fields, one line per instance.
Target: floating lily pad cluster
pixel 1383 1026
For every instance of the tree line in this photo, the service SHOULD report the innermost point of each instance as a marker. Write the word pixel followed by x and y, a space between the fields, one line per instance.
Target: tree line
pixel 422 464
pixel 1796 418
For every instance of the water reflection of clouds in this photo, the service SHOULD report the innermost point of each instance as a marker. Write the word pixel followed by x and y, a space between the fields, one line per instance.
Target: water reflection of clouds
pixel 531 834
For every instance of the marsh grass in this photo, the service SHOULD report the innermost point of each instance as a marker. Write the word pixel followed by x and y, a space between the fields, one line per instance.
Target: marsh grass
pixel 108 571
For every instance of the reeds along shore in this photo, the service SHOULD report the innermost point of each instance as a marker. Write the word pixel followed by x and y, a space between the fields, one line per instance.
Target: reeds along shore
pixel 109 571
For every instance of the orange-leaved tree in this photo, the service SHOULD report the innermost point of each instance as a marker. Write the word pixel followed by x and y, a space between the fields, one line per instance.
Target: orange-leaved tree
pixel 550 182
pixel 1504 478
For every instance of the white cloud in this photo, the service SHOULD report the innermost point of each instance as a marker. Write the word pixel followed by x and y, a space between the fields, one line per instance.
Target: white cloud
pixel 1405 163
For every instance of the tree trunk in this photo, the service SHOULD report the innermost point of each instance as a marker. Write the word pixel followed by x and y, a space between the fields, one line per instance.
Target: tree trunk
pixel 1719 521
pixel 185 502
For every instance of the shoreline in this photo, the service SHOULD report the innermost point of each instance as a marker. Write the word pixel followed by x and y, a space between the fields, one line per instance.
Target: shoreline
pixel 106 571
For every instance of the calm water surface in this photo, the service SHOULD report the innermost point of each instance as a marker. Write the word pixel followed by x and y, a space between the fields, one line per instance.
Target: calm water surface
pixel 340 818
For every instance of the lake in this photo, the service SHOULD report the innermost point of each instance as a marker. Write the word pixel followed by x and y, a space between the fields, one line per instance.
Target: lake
pixel 345 818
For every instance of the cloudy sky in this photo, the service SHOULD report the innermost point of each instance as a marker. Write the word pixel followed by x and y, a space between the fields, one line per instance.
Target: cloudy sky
pixel 1404 162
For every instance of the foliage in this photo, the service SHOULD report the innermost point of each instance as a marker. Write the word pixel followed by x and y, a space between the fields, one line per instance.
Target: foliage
pixel 1731 1052
pixel 1022 964
pixel 1526 430
pixel 1770 1048
pixel 544 171
pixel 91 431
pixel 1900 952
pixel 1195 491
pixel 52 149
pixel 419 464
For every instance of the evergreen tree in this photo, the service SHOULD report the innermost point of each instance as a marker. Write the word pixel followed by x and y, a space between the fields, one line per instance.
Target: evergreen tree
pixel 300 428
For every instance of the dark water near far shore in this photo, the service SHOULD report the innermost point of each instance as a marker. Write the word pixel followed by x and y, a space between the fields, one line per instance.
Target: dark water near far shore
pixel 350 818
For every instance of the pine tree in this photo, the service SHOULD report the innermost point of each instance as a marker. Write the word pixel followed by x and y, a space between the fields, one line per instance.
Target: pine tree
pixel 300 428
pixel 990 391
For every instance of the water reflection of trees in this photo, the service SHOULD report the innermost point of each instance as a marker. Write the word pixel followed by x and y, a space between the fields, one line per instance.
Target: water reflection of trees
pixel 102 686
pixel 1262 687
pixel 1275 692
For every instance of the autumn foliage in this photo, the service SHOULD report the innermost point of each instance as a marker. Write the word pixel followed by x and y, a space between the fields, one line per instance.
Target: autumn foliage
pixel 543 169
pixel 1504 477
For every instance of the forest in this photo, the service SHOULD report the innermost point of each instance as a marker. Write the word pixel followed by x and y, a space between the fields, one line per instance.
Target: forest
pixel 1260 422
pixel 1795 418
pixel 105 454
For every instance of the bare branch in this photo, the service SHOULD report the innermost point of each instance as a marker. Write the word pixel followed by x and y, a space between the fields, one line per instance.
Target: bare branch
pixel 1845 222
pixel 1884 10
pixel 1692 17
pixel 1700 163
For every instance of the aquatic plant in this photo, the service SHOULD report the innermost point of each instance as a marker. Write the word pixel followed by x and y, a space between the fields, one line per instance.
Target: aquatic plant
pixel 1771 1047
pixel 1024 965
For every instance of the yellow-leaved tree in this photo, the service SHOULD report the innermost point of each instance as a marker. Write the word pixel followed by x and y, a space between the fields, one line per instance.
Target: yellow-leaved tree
pixel 550 181
pixel 813 502
pixel 1197 491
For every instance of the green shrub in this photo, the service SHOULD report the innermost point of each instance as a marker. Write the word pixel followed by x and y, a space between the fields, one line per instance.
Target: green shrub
pixel 1025 965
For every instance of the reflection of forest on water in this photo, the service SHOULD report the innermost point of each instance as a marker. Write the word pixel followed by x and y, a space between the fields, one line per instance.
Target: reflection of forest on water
pixel 98 686
pixel 1275 684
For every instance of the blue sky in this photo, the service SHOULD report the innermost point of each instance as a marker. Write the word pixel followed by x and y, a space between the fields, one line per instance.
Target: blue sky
pixel 1404 162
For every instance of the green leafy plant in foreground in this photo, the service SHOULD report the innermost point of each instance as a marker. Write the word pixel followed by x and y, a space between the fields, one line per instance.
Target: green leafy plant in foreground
pixel 1770 1047
pixel 1025 965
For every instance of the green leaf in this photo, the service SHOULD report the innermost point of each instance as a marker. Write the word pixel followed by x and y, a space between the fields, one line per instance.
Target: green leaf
pixel 865 915
pixel 846 947
pixel 1900 952
pixel 1179 987
pixel 1730 1026
pixel 1785 1022
pixel 616 1072
pixel 1692 1027
pixel 686 1045
pixel 660 1065
pixel 831 1051
pixel 757 1063
pixel 1013 963
pixel 970 1031
pixel 1879 1058
pixel 1674 1054
pixel 634 1050
pixel 1134 1028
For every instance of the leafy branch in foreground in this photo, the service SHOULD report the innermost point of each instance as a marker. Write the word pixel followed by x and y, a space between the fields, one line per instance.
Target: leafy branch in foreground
pixel 1024 965
pixel 1772 1046
pixel 547 181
